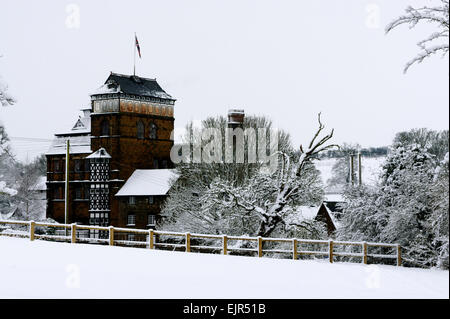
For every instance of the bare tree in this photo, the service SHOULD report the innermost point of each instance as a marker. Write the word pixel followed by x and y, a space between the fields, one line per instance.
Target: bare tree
pixel 437 42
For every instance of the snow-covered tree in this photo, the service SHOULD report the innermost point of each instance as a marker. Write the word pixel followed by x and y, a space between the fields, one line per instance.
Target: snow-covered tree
pixel 183 207
pixel 435 43
pixel 264 203
pixel 5 97
pixel 435 142
pixel 440 210
pixel 408 207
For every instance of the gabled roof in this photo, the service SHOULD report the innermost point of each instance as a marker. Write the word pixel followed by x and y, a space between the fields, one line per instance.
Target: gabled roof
pixel 100 153
pixel 81 127
pixel 131 84
pixel 148 182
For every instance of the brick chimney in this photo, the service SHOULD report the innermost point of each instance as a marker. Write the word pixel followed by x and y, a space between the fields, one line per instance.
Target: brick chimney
pixel 235 118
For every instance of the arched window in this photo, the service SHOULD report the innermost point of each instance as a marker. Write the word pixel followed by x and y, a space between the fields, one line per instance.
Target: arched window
pixel 153 131
pixel 140 130
pixel 105 128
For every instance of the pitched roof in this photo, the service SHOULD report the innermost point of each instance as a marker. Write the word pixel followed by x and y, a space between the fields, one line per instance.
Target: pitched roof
pixel 148 182
pixel 79 144
pixel 100 153
pixel 131 84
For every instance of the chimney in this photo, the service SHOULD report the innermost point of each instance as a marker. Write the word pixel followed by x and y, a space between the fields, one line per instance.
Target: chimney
pixel 235 118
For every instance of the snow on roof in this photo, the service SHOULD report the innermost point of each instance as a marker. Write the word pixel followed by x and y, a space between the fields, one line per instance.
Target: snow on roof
pixel 82 125
pixel 148 182
pixel 307 212
pixel 333 218
pixel 41 184
pixel 100 153
pixel 107 89
pixel 334 197
pixel 78 145
pixel 132 84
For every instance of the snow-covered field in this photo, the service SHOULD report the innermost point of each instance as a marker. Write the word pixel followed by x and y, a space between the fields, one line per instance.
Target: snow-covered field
pixel 41 269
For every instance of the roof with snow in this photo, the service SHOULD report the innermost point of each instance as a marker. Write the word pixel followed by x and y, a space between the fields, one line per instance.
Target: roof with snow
pixel 100 153
pixel 334 197
pixel 79 137
pixel 132 84
pixel 148 182
pixel 41 184
pixel 310 213
pixel 79 144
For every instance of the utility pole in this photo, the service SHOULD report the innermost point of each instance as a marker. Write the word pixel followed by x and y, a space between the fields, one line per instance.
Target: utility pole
pixel 66 186
pixel 352 169
pixel 359 168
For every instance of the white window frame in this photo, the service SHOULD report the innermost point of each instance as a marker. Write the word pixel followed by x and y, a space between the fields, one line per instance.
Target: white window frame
pixel 152 217
pixel 131 220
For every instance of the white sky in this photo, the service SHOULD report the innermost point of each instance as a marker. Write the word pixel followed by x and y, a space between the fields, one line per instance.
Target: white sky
pixel 288 60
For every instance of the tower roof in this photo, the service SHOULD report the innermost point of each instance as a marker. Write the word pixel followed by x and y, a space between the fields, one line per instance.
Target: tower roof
pixel 132 84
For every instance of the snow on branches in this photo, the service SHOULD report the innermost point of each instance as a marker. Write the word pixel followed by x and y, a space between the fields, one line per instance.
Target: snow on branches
pixel 271 197
pixel 438 15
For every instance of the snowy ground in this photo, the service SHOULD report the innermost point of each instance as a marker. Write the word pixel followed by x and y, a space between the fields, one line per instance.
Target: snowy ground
pixel 43 269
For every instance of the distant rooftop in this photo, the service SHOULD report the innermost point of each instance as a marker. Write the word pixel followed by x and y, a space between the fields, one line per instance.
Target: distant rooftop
pixel 134 85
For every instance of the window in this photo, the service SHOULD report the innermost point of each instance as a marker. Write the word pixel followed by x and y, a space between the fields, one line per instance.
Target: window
pixel 105 128
pixel 87 165
pixel 132 200
pixel 77 166
pixel 151 200
pixel 56 166
pixel 153 133
pixel 151 220
pixel 78 193
pixel 140 130
pixel 155 163
pixel 131 220
pixel 164 164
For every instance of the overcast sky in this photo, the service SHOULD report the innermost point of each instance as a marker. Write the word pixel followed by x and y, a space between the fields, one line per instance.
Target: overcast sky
pixel 287 60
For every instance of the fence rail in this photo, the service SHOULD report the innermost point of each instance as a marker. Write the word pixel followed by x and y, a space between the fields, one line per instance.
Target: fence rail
pixel 225 248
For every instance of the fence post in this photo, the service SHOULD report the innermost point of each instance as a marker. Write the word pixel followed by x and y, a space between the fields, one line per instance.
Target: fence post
pixel 399 255
pixel 364 247
pixel 151 244
pixel 330 250
pixel 225 244
pixel 260 246
pixel 32 225
pixel 188 242
pixel 73 230
pixel 111 235
pixel 295 251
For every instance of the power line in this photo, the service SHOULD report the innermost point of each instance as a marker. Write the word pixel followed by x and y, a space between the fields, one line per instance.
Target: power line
pixel 30 139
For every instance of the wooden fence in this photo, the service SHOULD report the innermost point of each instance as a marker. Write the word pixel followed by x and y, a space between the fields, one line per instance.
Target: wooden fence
pixel 186 238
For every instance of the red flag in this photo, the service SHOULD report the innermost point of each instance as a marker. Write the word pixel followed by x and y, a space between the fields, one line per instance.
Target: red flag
pixel 137 46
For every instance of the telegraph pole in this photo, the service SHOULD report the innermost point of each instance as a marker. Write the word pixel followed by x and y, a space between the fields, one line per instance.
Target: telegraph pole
pixel 359 168
pixel 66 186
pixel 352 169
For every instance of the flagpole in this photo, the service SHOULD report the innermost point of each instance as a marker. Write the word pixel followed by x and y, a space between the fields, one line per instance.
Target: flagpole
pixel 134 45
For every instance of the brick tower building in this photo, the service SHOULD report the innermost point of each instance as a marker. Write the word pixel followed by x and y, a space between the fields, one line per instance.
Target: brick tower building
pixel 127 129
